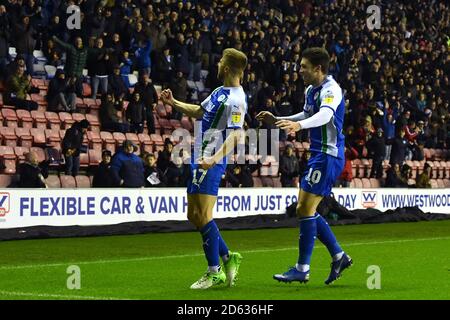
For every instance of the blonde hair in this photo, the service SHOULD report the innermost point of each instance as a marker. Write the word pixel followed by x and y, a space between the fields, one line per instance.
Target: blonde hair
pixel 236 60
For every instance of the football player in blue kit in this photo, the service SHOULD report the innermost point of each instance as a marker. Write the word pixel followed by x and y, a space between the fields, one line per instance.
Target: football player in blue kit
pixel 323 114
pixel 224 110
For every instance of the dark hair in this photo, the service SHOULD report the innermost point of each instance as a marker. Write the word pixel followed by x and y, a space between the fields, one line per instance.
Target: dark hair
pixel 318 57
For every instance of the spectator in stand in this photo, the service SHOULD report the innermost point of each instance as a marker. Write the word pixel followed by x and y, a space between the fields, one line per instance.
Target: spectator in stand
pixel 289 167
pixel 61 94
pixel 423 179
pixel 136 114
pixel 110 117
pixel 164 156
pixel 116 85
pixel 142 55
pixel 149 97
pixel 195 49
pixel 76 59
pixel 31 173
pixel 17 88
pixel 178 85
pixel 155 178
pixel 347 175
pixel 177 173
pixel 405 175
pixel 125 67
pixel 5 36
pixel 399 145
pixel 239 176
pixel 103 177
pixel 394 178
pixel 377 151
pixel 411 133
pixel 164 67
pixel 389 132
pixel 72 146
pixel 127 168
pixel 99 67
pixel 26 36
pixel 303 163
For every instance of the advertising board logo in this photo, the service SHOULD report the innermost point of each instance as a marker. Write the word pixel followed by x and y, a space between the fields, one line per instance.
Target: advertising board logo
pixel 4 203
pixel 369 199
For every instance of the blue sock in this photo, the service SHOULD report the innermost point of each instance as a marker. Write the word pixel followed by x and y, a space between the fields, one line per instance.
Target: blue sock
pixel 308 232
pixel 210 234
pixel 223 249
pixel 327 236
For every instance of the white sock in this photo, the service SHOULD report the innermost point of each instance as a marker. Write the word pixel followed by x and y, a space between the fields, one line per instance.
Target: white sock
pixel 214 269
pixel 302 267
pixel 338 256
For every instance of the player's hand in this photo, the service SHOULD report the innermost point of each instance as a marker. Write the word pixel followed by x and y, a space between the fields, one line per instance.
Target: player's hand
pixel 167 97
pixel 288 125
pixel 266 117
pixel 206 163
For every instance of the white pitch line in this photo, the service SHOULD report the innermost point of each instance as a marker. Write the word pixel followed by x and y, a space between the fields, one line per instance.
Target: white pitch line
pixel 55 296
pixel 60 264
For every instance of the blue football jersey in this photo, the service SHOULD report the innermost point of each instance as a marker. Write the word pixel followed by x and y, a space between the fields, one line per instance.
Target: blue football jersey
pixel 328 138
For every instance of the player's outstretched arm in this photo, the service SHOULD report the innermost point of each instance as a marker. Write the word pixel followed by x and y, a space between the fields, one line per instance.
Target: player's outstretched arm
pixel 228 146
pixel 191 110
pixel 319 119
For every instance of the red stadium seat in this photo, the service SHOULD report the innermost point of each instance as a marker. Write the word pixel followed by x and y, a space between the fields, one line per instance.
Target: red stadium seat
pixel 9 159
pixel 20 152
pixel 80 105
pixel 186 124
pixel 9 136
pixel 95 141
pixel 83 182
pixel 94 121
pixel 84 160
pixel 440 183
pixel 108 141
pixel 175 124
pixel 38 136
pixel 161 110
pixel 53 181
pixel 25 119
pixel 447 183
pixel 40 153
pixel 267 182
pixel 145 142
pixel 132 137
pixel 25 137
pixel 39 119
pixel 52 137
pixel 95 157
pixel 66 120
pixel 78 117
pixel 427 153
pixel 358 183
pixel 276 182
pixel 366 183
pixel 436 169
pixel 5 180
pixel 434 184
pixel 119 137
pixel 68 182
pixel 352 184
pixel 375 183
pixel 10 118
pixel 257 183
pixel 53 120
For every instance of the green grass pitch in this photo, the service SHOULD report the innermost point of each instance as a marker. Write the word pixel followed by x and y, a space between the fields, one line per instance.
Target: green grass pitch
pixel 414 259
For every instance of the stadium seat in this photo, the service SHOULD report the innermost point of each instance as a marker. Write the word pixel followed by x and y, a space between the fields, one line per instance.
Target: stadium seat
pixel 108 141
pixel 84 160
pixel 119 137
pixel 53 120
pixel 25 119
pixel 83 182
pixel 39 119
pixel 66 120
pixel 352 184
pixel 81 106
pixel 52 137
pixel 366 183
pixel 5 180
pixel 440 183
pixel 20 152
pixel 25 139
pixel 95 141
pixel 375 183
pixel 9 159
pixel 40 153
pixel 411 182
pixel 9 136
pixel 427 153
pixel 38 136
pixel 276 182
pixel 94 121
pixel 366 167
pixel 257 183
pixel 53 181
pixel 68 182
pixel 436 170
pixel 186 124
pixel 444 170
pixel 358 183
pixel 434 184
pixel 161 111
pixel 95 157
pixel 447 170
pixel 175 124
pixel 133 137
pixel 438 154
pixel 145 142
pixel 447 183
pixel 78 117
pixel 267 182
pixel 10 118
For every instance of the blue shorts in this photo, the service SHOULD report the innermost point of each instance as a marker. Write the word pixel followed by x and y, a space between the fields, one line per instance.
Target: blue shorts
pixel 321 173
pixel 205 181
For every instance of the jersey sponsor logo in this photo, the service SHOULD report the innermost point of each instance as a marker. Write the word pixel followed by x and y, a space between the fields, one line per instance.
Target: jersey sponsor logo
pixel 328 98
pixel 369 199
pixel 236 117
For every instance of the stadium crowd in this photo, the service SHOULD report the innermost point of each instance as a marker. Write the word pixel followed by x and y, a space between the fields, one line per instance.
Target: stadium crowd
pixel 396 78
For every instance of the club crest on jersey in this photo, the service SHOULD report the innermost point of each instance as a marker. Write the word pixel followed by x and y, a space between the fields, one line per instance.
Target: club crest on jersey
pixel 221 98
